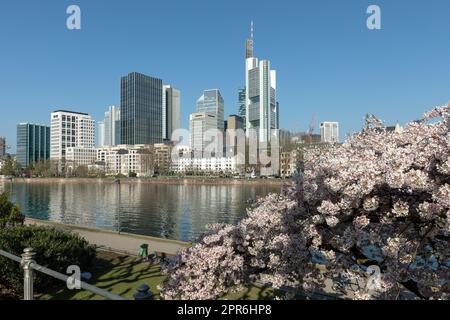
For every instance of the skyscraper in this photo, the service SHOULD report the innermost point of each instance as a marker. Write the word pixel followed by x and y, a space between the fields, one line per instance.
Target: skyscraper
pixel 70 130
pixel 141 109
pixel 2 146
pixel 171 116
pixel 329 132
pixel 241 102
pixel 261 100
pixel 101 133
pixel 33 143
pixel 111 123
pixel 212 102
pixel 199 124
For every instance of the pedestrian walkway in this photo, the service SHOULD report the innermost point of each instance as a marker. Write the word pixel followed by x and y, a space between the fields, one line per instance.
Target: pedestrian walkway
pixel 123 242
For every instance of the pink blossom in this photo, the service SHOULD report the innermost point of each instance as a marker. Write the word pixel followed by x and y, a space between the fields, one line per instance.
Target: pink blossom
pixel 381 198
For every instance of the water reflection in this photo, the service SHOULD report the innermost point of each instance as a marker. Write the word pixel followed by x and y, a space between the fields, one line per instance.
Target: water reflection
pixel 168 211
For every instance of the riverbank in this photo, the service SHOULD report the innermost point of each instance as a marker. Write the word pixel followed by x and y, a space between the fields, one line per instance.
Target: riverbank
pixel 124 243
pixel 162 180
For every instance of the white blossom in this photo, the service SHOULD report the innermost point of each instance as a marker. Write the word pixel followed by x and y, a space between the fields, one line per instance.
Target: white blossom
pixel 381 195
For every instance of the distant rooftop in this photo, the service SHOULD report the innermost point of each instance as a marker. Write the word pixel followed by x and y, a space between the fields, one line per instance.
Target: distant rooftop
pixel 32 124
pixel 82 113
pixel 140 74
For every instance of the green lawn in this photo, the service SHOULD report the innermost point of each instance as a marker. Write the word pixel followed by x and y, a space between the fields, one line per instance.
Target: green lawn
pixel 122 275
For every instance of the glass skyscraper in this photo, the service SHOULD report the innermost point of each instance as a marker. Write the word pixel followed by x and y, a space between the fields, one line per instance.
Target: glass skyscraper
pixel 171 116
pixel 262 108
pixel 212 102
pixel 241 97
pixel 33 143
pixel 111 128
pixel 140 109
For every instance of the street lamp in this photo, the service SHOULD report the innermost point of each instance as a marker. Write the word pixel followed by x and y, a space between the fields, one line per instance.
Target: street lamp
pixel 117 182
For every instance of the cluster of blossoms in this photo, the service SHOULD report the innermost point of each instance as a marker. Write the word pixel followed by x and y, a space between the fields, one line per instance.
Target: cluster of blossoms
pixel 381 199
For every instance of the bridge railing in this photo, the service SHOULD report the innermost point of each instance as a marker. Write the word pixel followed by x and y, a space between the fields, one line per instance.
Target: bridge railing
pixel 29 266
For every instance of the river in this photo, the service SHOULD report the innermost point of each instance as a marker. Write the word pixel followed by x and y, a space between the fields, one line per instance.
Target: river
pixel 172 211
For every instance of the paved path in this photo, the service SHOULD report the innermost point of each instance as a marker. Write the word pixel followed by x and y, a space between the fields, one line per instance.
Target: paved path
pixel 123 242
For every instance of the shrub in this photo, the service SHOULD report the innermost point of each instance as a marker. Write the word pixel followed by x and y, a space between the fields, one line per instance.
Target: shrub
pixel 55 249
pixel 381 200
pixel 9 213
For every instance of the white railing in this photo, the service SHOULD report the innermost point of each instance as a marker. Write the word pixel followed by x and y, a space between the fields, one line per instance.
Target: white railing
pixel 29 266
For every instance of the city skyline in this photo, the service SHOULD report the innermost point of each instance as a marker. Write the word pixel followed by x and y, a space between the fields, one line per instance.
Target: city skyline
pixel 340 73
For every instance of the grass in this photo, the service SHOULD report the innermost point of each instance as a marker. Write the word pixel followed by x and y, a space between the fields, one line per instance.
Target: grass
pixel 122 275
pixel 116 273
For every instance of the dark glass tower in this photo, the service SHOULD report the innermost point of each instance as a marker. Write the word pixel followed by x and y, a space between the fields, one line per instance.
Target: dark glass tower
pixel 242 111
pixel 33 143
pixel 141 109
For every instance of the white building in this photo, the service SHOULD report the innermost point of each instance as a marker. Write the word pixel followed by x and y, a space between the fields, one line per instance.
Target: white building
pixel 329 132
pixel 71 130
pixel 262 112
pixel 201 125
pixel 127 159
pixel 214 165
pixel 171 115
pixel 79 156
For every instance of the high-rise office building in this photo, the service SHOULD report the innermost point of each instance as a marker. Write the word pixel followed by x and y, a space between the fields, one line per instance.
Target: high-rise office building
pixel 101 133
pixel 171 115
pixel 329 132
pixel 231 138
pixel 111 128
pixel 70 130
pixel 235 122
pixel 2 146
pixel 33 143
pixel 261 100
pixel 199 124
pixel 212 102
pixel 241 102
pixel 140 109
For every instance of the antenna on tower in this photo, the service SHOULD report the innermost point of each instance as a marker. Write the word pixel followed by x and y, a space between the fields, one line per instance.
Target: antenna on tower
pixel 249 44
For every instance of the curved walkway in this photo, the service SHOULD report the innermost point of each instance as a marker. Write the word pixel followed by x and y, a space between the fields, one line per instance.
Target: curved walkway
pixel 119 242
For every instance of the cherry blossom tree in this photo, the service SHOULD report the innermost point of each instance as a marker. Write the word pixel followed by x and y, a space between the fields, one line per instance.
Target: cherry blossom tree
pixel 380 201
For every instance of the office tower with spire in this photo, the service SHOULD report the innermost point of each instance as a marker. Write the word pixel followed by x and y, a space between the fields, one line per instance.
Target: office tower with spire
pixel 249 44
pixel 261 100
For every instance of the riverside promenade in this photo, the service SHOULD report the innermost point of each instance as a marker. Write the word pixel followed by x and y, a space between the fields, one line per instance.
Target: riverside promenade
pixel 118 242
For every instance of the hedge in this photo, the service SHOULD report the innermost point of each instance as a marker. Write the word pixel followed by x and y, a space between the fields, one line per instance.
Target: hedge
pixel 55 249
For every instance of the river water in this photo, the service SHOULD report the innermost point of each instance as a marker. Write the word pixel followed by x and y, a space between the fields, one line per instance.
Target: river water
pixel 172 211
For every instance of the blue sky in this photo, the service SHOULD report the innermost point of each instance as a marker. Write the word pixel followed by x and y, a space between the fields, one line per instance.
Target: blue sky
pixel 328 62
